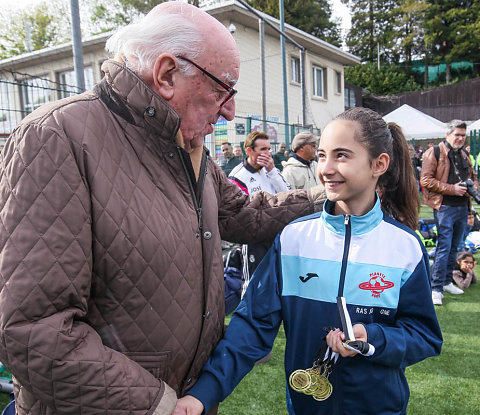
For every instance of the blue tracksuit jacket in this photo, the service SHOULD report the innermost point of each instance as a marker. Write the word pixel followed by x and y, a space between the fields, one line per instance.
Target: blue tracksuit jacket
pixel 387 288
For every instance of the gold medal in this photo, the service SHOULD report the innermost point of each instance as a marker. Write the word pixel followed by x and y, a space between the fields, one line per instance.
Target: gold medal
pixel 322 385
pixel 299 380
pixel 325 395
pixel 314 379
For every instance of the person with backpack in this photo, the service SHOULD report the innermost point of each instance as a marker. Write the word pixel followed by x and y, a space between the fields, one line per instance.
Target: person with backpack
pixel 357 266
pixel 445 168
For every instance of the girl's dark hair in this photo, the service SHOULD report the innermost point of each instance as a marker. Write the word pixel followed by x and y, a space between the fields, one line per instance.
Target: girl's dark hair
pixel 397 187
pixel 464 254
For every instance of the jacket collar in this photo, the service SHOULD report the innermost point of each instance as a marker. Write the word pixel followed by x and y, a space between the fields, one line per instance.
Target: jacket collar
pixel 303 161
pixel 250 168
pixel 146 106
pixel 360 224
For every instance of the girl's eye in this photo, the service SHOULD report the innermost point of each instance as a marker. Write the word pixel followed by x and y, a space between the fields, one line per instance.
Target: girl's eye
pixel 342 155
pixel 321 156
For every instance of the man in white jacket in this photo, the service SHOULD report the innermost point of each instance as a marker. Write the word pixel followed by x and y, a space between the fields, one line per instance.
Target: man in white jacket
pixel 300 170
pixel 256 173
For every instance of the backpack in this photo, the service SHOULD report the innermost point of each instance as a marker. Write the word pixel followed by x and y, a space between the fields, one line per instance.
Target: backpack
pixel 232 275
pixel 427 232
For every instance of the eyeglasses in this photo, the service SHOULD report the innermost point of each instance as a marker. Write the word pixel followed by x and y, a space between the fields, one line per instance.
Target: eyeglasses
pixel 231 91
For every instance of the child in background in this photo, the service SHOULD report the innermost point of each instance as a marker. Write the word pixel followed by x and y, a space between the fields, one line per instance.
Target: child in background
pixel 355 247
pixel 463 273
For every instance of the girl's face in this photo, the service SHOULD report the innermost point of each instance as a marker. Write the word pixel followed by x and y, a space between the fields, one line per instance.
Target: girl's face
pixel 346 170
pixel 466 264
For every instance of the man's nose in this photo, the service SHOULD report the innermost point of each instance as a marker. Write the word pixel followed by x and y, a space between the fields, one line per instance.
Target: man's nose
pixel 228 110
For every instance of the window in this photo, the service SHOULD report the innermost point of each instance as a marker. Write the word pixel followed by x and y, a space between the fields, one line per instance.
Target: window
pixel 338 82
pixel 349 98
pixel 68 82
pixel 319 82
pixel 295 70
pixel 35 92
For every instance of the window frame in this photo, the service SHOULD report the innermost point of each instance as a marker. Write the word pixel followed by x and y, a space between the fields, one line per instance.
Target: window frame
pixel 295 70
pixel 315 83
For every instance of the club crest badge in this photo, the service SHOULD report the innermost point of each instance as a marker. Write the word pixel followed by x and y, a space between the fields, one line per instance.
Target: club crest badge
pixel 376 284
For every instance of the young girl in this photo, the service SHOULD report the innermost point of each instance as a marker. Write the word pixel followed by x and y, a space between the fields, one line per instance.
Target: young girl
pixel 355 248
pixel 463 274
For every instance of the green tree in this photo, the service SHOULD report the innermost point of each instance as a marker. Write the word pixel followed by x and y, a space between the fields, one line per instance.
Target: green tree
pixel 33 29
pixel 412 40
pixel 374 28
pixel 452 30
pixel 390 79
pixel 311 16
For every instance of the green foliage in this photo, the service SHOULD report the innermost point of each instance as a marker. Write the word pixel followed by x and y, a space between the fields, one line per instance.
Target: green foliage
pixel 452 29
pixel 311 16
pixel 374 24
pixel 33 29
pixel 390 79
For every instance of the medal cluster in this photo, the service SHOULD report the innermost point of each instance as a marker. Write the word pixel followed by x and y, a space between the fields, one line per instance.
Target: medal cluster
pixel 313 381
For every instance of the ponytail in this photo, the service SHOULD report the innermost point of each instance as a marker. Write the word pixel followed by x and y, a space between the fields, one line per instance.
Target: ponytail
pixel 398 187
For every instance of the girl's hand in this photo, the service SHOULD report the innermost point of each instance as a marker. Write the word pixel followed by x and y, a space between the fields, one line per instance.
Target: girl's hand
pixel 336 337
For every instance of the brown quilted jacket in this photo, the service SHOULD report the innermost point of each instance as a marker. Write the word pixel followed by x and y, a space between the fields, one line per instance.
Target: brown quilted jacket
pixel 434 176
pixel 111 275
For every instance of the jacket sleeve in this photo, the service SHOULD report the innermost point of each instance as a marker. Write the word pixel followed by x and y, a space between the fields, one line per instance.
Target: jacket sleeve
pixel 289 175
pixel 279 183
pixel 416 333
pixel 46 275
pixel 249 336
pixel 428 177
pixel 258 220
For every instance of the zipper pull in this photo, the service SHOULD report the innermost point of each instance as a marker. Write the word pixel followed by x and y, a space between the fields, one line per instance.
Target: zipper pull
pixel 200 219
pixel 347 219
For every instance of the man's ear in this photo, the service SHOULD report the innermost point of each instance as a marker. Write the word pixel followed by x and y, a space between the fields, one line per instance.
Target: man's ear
pixel 380 164
pixel 164 71
pixel 248 150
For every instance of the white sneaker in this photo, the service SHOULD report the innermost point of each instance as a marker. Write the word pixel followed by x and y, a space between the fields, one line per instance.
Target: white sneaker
pixel 452 289
pixel 437 297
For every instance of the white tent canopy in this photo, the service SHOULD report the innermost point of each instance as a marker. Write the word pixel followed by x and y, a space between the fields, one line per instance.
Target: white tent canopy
pixel 416 124
pixel 473 126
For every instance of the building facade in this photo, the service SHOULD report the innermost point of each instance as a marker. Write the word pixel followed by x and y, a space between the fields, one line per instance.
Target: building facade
pixel 29 80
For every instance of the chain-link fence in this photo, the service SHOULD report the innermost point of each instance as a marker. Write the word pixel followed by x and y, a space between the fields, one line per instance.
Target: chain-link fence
pixel 21 93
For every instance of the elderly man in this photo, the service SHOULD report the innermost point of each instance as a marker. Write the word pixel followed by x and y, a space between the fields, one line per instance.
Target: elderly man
pixel 444 168
pixel 300 170
pixel 111 289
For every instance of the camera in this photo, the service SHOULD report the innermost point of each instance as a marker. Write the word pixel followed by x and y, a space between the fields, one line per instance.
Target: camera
pixel 471 189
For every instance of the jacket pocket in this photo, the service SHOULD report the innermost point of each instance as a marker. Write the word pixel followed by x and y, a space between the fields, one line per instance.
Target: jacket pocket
pixel 155 362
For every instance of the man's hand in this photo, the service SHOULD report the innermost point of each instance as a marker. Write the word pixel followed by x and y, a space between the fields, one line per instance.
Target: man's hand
pixel 459 190
pixel 335 340
pixel 188 405
pixel 266 160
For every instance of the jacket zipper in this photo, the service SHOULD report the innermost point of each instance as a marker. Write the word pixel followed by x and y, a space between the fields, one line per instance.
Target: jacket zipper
pixel 337 406
pixel 346 249
pixel 198 209
pixel 196 204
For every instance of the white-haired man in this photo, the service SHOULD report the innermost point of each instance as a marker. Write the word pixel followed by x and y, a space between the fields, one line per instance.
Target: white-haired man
pixel 111 296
